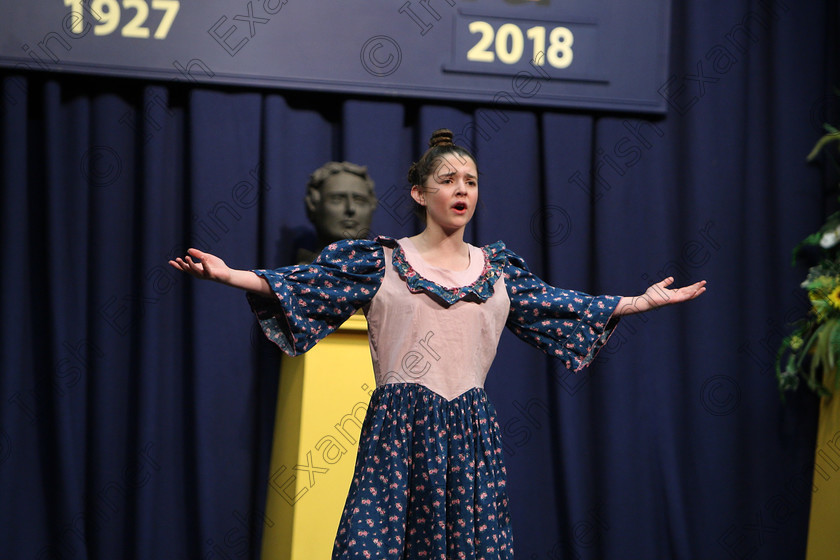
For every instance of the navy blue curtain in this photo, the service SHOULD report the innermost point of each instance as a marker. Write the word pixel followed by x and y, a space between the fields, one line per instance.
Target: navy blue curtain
pixel 137 405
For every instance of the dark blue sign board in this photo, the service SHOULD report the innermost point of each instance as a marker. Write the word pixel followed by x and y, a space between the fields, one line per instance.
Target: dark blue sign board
pixel 592 54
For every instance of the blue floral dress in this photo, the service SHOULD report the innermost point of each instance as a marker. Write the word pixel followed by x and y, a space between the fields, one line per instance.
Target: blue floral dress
pixel 429 479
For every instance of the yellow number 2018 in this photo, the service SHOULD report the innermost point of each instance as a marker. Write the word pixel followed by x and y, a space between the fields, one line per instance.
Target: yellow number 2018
pixel 107 13
pixel 509 44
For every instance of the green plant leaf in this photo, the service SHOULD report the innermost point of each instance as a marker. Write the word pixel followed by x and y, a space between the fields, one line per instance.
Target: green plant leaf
pixel 821 143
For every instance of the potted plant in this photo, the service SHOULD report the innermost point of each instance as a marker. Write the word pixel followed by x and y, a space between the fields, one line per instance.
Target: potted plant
pixel 811 353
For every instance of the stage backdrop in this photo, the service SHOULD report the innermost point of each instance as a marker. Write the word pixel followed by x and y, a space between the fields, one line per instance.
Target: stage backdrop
pixel 136 404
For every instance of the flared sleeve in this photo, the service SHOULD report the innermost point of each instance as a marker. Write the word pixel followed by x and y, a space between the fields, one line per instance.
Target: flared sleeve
pixel 311 301
pixel 569 325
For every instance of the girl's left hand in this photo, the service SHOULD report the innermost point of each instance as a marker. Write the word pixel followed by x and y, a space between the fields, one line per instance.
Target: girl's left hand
pixel 658 295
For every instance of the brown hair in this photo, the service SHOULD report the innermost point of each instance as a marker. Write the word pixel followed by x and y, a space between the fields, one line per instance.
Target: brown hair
pixel 440 144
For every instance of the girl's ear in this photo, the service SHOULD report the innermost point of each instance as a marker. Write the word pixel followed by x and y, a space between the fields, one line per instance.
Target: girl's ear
pixel 417 195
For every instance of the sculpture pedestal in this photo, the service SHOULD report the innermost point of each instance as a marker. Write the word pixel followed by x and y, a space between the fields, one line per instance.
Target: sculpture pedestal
pixel 824 524
pixel 321 404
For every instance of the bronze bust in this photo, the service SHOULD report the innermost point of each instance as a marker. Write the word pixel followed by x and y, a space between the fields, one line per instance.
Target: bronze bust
pixel 340 201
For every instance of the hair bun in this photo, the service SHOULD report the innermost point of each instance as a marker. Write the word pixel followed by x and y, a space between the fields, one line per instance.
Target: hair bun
pixel 441 137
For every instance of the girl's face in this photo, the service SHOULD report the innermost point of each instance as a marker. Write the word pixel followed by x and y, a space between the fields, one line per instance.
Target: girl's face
pixel 450 193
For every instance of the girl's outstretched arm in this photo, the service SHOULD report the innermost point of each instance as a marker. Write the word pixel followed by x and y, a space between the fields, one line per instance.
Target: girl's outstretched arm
pixel 657 296
pixel 210 267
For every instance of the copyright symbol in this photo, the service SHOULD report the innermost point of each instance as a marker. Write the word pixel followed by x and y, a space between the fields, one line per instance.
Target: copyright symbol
pixel 101 166
pixel 551 225
pixel 720 395
pixel 381 56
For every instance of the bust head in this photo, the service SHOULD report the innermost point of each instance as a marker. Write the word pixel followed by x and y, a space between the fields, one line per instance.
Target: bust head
pixel 340 201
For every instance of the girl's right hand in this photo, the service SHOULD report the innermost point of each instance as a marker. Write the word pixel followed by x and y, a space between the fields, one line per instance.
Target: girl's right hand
pixel 203 265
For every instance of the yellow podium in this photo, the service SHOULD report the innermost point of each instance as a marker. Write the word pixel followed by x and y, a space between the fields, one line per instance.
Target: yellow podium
pixel 321 404
pixel 824 524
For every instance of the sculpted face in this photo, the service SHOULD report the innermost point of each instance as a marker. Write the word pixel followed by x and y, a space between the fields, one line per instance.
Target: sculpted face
pixel 344 208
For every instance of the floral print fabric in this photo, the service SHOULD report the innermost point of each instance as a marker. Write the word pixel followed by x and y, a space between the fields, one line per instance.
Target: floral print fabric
pixel 430 477
pixel 313 300
pixel 429 480
pixel 569 325
pixel 481 289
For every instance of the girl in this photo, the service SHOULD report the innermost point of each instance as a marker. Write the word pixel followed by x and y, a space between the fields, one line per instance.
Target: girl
pixel 429 478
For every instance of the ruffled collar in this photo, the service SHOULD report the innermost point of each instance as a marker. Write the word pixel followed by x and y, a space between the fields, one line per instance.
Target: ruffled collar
pixel 481 289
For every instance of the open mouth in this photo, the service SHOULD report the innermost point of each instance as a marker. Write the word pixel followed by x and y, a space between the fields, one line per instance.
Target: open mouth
pixel 460 207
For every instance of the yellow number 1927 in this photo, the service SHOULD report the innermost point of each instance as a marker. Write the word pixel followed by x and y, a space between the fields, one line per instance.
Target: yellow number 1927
pixel 107 13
